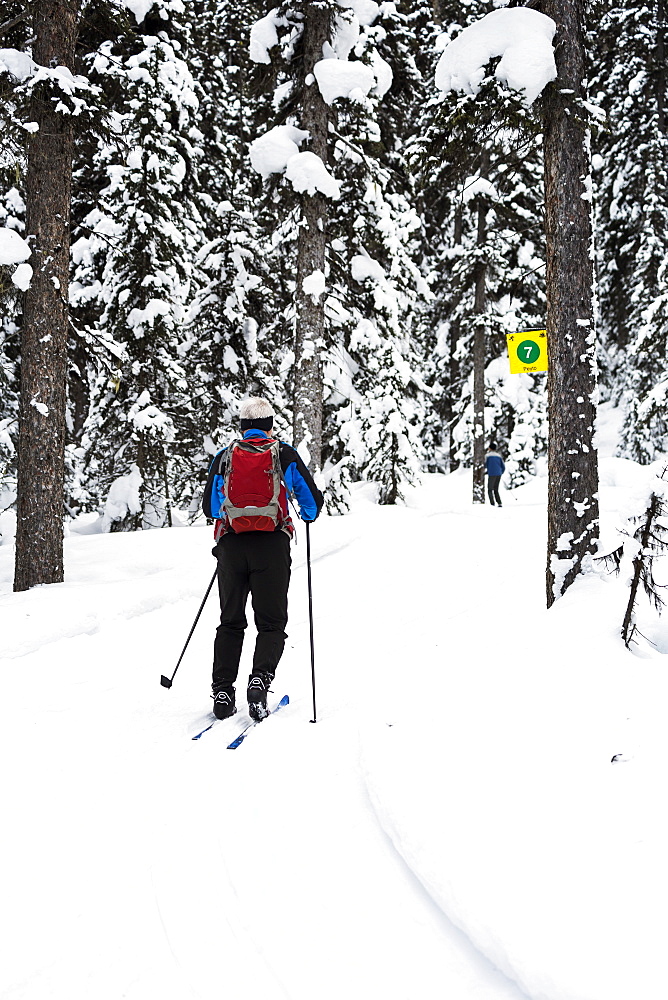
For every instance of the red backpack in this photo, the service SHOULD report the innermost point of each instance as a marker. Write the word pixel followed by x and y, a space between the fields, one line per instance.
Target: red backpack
pixel 255 498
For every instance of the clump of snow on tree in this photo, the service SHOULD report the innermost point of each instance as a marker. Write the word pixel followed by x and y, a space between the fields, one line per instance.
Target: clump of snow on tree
pixel 124 498
pixel 308 173
pixel 363 267
pixel 338 78
pixel 520 36
pixel 40 407
pixel 147 418
pixel 22 277
pixel 139 320
pixel 345 35
pixel 139 8
pixel 17 64
pixel 314 284
pixel 366 11
pixel 382 72
pixel 264 36
pixel 269 154
pixel 15 250
pixel 476 186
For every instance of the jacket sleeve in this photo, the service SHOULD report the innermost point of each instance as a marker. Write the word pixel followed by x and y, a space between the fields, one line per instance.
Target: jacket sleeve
pixel 211 500
pixel 299 482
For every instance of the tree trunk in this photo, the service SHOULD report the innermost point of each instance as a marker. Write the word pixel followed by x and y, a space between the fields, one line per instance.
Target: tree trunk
pixel 39 532
pixel 661 65
pixel 479 362
pixel 311 254
pixel 572 457
pixel 453 340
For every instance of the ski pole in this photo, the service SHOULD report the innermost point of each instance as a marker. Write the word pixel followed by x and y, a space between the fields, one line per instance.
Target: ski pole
pixel 310 614
pixel 167 681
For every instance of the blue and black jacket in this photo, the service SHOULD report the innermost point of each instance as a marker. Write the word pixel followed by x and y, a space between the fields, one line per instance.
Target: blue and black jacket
pixel 494 465
pixel 297 478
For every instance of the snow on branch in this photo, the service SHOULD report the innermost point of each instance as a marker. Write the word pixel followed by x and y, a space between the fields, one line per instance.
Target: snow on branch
pixel 16 64
pixel 366 11
pixel 338 78
pixel 308 173
pixel 269 154
pixel 15 250
pixel 139 8
pixel 520 36
pixel 124 498
pixel 264 36
pixel 277 152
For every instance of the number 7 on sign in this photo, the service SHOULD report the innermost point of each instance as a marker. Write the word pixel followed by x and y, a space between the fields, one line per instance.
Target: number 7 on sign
pixel 527 351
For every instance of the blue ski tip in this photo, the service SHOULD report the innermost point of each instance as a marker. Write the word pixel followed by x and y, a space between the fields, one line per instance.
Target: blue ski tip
pixel 237 743
pixel 285 700
pixel 204 730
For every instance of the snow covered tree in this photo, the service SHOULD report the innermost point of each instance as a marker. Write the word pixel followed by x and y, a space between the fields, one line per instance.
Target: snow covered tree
pixel 234 301
pixel 377 244
pixel 146 247
pixel 304 29
pixel 479 157
pixel 90 347
pixel 632 202
pixel 312 239
pixel 348 190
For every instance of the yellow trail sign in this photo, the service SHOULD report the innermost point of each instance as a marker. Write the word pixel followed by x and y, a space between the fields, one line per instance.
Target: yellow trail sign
pixel 527 351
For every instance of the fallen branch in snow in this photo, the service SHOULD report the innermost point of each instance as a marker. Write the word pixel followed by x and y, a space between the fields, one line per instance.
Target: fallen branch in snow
pixel 649 540
pixel 652 537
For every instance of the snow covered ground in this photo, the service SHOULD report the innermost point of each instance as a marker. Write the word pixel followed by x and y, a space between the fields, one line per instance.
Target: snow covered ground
pixel 453 825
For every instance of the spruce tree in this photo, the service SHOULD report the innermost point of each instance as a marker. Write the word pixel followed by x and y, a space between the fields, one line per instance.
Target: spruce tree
pixel 145 237
pixel 478 158
pixel 367 212
pixel 377 285
pixel 632 201
pixel 232 351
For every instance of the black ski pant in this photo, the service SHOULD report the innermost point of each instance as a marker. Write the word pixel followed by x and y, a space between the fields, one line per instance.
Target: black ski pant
pixel 255 563
pixel 493 489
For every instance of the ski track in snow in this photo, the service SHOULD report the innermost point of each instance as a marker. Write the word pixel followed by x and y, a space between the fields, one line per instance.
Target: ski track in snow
pixel 401 847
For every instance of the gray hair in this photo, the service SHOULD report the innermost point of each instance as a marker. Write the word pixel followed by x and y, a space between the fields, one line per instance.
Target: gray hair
pixel 255 408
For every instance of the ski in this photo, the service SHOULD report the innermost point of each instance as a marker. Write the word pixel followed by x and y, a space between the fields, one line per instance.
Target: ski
pixel 244 733
pixel 199 735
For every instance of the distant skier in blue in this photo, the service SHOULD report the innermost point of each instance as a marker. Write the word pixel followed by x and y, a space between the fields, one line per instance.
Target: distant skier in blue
pixel 494 468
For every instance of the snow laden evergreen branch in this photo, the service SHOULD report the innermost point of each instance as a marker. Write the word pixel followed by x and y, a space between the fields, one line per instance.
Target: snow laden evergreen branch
pixel 73 95
pixel 462 125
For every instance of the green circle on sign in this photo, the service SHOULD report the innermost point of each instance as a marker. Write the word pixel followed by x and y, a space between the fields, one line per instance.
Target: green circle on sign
pixel 528 352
